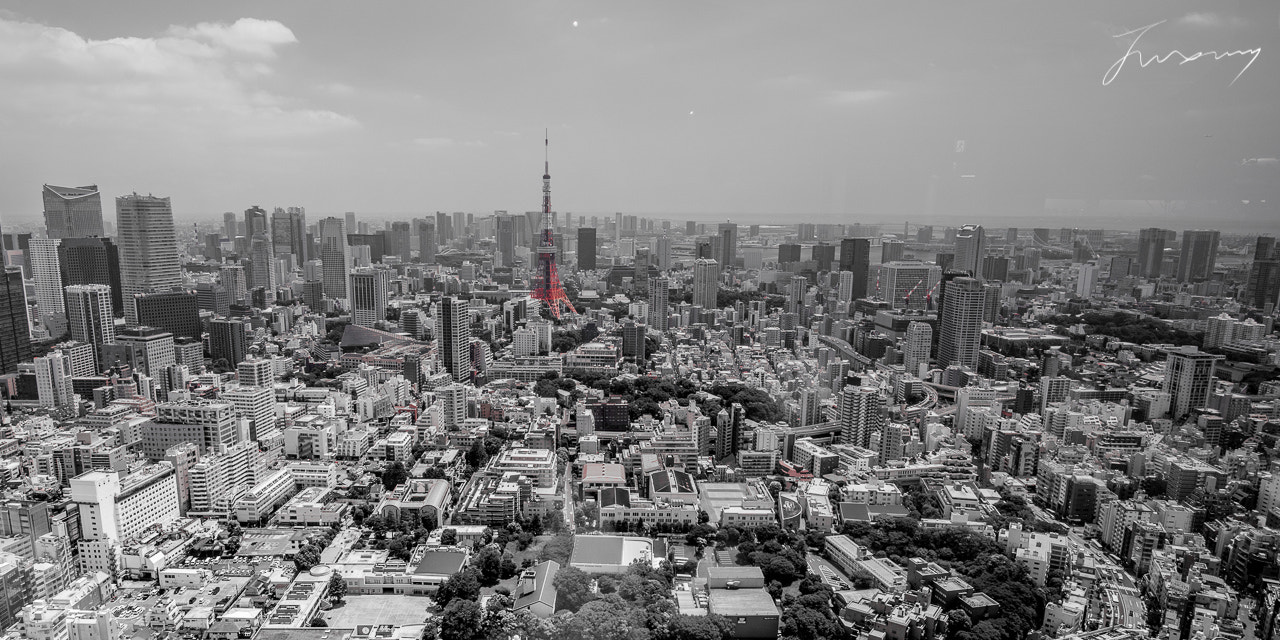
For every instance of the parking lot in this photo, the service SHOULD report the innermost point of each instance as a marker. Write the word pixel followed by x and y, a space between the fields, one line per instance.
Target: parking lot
pixel 378 610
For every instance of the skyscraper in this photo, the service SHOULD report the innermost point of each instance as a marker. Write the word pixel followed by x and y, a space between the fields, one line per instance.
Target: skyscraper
pixel 72 212
pixel 92 261
pixel 229 227
pixel 53 380
pixel 658 300
pixel 891 250
pixel 1199 253
pixel 176 311
pixel 43 260
pixel 506 234
pixel 971 247
pixel 426 240
pixel 904 285
pixel 706 283
pixel 855 257
pixel 263 273
pixel 367 296
pixel 728 233
pixel 234 281
pixel 453 337
pixel 586 248
pixel 1188 379
pixel 148 247
pixel 281 232
pixel 399 241
pixel 89 314
pixel 961 323
pixel 15 330
pixel 1263 287
pixel 335 257
pixel 1150 252
pixel 662 252
pixel 919 343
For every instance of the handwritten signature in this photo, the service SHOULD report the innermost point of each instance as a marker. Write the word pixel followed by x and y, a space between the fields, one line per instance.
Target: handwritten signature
pixel 1185 58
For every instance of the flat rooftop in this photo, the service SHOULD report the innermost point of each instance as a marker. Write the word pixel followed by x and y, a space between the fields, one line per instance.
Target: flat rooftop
pixel 742 602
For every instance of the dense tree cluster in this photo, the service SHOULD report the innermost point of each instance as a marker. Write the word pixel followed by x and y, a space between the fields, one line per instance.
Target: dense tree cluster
pixel 757 402
pixel 975 558
pixel 779 553
pixel 1127 326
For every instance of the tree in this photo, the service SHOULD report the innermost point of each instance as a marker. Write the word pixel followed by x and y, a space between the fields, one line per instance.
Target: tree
pixel 464 585
pixel 318 622
pixel 306 558
pixel 449 537
pixel 394 476
pixel 708 627
pixel 573 589
pixel 489 563
pixel 337 587
pixel 476 455
pixel 1154 486
pixel 462 620
pixel 558 548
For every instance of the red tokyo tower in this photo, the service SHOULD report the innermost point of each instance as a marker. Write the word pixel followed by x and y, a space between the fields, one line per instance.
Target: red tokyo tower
pixel 546 282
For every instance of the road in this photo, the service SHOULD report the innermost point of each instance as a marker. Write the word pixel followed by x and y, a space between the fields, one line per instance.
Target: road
pixel 817 565
pixel 567 475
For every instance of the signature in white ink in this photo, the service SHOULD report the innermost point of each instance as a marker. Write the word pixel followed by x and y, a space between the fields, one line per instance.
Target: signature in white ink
pixel 1184 57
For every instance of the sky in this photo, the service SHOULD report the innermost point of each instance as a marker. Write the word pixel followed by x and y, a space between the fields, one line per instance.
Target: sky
pixel 762 112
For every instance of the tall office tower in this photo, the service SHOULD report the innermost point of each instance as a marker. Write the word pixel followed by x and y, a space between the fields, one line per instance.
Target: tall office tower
pixel 211 296
pixel 148 247
pixel 92 261
pixel 824 254
pixel 227 341
pixel 1011 235
pixel 1263 287
pixel 426 240
pixel 1188 379
pixel 263 274
pixel 444 232
pixel 924 234
pixel 971 247
pixel 918 345
pixel 313 295
pixel 855 257
pixel 335 256
pixel 991 302
pixel 862 412
pixel 506 235
pixel 662 252
pixel 89 314
pixel 659 313
pixel 229 226
pixel 788 253
pixel 400 241
pixel 706 283
pixel 213 247
pixel 15 330
pixel 299 246
pixel 176 311
pixel 235 281
pixel 349 223
pixel 633 340
pixel 904 285
pixel 42 258
pixel 1199 253
pixel 1086 279
pixel 728 233
pixel 281 232
pixel 891 250
pixel 367 296
pixel 72 212
pixel 255 221
pixel 996 268
pixel 961 323
pixel 53 380
pixel 459 225
pixel 453 337
pixel 1150 252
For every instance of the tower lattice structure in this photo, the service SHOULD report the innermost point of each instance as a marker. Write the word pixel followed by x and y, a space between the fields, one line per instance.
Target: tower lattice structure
pixel 546 281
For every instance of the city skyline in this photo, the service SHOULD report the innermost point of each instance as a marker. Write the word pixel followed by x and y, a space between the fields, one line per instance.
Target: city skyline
pixel 741 114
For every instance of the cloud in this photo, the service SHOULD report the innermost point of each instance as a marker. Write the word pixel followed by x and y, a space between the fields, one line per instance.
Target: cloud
pixel 446 142
pixel 200 81
pixel 1210 19
pixel 863 96
pixel 1263 161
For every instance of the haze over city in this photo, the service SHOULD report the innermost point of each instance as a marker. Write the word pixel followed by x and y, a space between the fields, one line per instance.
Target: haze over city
pixel 833 111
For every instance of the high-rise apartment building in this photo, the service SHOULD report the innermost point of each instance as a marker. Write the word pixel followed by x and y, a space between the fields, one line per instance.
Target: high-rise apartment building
pixel 234 280
pixel 662 252
pixel 1150 252
pixel 1188 379
pixel 148 247
pixel 92 261
pixel 72 212
pixel 42 259
pixel 335 257
pixel 1199 254
pixel 891 250
pixel 15 329
pixel 706 283
pixel 262 274
pixel 453 337
pixel 659 314
pixel 367 296
pixel 971 247
pixel 855 257
pixel 53 380
pixel 961 323
pixel 919 343
pixel 862 412
pixel 426 230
